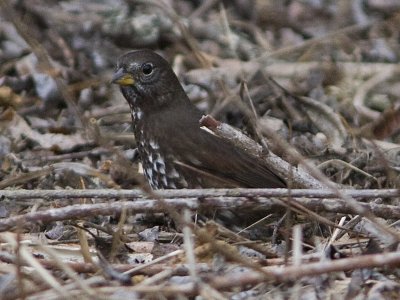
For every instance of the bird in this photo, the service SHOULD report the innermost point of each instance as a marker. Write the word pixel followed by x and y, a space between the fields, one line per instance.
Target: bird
pixel 175 151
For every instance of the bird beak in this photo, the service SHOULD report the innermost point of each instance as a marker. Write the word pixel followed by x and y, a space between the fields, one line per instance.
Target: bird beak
pixel 122 78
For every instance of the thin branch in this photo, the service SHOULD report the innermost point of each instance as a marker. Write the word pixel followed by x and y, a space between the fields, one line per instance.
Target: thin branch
pixel 284 274
pixel 22 194
pixel 150 205
pixel 279 274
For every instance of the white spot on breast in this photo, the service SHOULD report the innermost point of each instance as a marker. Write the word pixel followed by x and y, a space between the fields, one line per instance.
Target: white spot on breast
pixel 183 182
pixel 149 172
pixel 159 164
pixel 161 169
pixel 154 145
pixel 159 159
pixel 164 180
pixel 136 114
pixel 154 183
pixel 173 173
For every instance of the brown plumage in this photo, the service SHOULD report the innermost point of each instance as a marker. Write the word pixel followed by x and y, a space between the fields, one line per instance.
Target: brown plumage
pixel 175 151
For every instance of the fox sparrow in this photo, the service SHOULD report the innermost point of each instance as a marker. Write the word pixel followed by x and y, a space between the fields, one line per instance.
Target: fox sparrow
pixel 175 151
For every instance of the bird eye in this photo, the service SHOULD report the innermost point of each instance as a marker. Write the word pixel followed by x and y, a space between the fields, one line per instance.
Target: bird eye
pixel 147 69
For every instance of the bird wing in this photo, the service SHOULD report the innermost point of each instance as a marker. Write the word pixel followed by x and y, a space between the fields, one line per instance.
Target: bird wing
pixel 224 160
pixel 199 151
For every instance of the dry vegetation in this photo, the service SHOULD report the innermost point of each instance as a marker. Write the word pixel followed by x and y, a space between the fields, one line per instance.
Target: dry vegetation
pixel 315 82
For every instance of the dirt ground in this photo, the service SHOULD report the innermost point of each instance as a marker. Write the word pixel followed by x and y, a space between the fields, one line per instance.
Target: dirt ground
pixel 315 85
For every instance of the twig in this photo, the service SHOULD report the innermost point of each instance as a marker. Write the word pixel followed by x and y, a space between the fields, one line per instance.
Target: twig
pixel 365 88
pixel 283 52
pixel 284 274
pixel 46 276
pixel 150 205
pixel 278 275
pixel 22 194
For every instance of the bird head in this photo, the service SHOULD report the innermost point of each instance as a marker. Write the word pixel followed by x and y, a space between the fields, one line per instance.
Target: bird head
pixel 147 80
